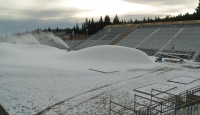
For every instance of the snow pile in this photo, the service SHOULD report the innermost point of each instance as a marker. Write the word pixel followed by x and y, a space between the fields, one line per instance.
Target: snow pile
pixel 111 56
pixel 43 38
pixel 32 55
pixel 98 57
pixel 109 53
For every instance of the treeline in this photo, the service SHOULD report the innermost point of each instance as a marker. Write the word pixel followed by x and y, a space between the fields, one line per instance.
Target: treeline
pixel 90 26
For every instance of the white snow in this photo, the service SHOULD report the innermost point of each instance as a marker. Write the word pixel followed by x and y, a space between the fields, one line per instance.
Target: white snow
pixel 184 79
pixel 157 86
pixel 35 77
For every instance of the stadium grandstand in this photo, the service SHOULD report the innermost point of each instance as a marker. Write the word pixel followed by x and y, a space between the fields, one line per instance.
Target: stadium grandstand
pixel 181 38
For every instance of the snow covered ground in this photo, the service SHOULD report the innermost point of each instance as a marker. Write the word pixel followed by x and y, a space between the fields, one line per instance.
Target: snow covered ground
pixel 38 79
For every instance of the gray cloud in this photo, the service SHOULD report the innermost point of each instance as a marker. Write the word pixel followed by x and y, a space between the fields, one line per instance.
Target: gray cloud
pixel 50 13
pixel 163 2
pixel 16 26
pixel 33 18
pixel 62 18
pixel 164 7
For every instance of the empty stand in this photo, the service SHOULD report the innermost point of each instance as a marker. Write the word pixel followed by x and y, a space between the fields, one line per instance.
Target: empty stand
pixel 104 37
pixel 135 37
pixel 187 42
pixel 178 38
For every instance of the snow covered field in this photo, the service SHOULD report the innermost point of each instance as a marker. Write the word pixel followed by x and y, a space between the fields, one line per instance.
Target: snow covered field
pixel 38 79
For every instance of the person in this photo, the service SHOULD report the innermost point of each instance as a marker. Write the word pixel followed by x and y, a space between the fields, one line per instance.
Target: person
pixel 160 58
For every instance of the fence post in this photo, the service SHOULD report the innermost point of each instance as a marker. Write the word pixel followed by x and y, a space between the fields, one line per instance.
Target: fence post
pixel 187 96
pixel 161 106
pixel 139 112
pixel 188 103
pixel 192 100
pixel 134 109
pixel 151 96
pixel 134 103
pixel 147 110
pixel 110 108
pixel 176 104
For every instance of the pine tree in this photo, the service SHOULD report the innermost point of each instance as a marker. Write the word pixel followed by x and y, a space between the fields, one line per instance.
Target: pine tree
pixel 89 27
pixel 92 27
pixel 116 20
pixel 144 20
pixel 49 29
pixel 198 11
pixel 77 29
pixel 107 20
pixel 131 21
pixel 136 21
pixel 85 25
pixel 101 23
pixel 148 20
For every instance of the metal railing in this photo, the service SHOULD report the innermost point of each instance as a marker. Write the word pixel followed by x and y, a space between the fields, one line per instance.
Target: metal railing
pixel 185 103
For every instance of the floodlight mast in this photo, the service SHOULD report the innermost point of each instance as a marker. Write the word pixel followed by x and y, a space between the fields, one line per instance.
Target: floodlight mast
pixel 87 32
pixel 172 28
pixel 108 32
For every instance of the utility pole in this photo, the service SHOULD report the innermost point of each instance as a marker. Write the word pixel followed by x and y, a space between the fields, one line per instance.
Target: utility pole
pixel 108 32
pixel 73 37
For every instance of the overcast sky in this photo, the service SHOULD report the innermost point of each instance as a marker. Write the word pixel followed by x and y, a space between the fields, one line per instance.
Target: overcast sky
pixel 26 15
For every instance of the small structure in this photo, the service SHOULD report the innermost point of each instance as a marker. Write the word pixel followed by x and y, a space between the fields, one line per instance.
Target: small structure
pixel 78 36
pixel 65 36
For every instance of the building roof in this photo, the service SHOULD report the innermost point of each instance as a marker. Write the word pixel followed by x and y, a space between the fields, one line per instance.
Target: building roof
pixel 59 33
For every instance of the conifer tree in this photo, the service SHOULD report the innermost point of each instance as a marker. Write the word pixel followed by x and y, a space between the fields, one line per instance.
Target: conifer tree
pixel 49 29
pixel 198 11
pixel 101 23
pixel 107 20
pixel 116 20
pixel 77 29
pixel 86 24
pixel 92 27
pixel 131 21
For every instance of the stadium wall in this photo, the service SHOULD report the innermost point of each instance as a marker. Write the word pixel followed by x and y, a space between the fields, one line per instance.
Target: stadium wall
pixel 155 23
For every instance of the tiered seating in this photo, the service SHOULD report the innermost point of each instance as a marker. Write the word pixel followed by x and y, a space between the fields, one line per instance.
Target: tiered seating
pixel 104 37
pixel 112 34
pixel 91 40
pixel 136 37
pixel 157 40
pixel 187 42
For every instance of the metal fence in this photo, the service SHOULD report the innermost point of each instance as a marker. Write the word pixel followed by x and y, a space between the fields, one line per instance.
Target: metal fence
pixel 185 103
